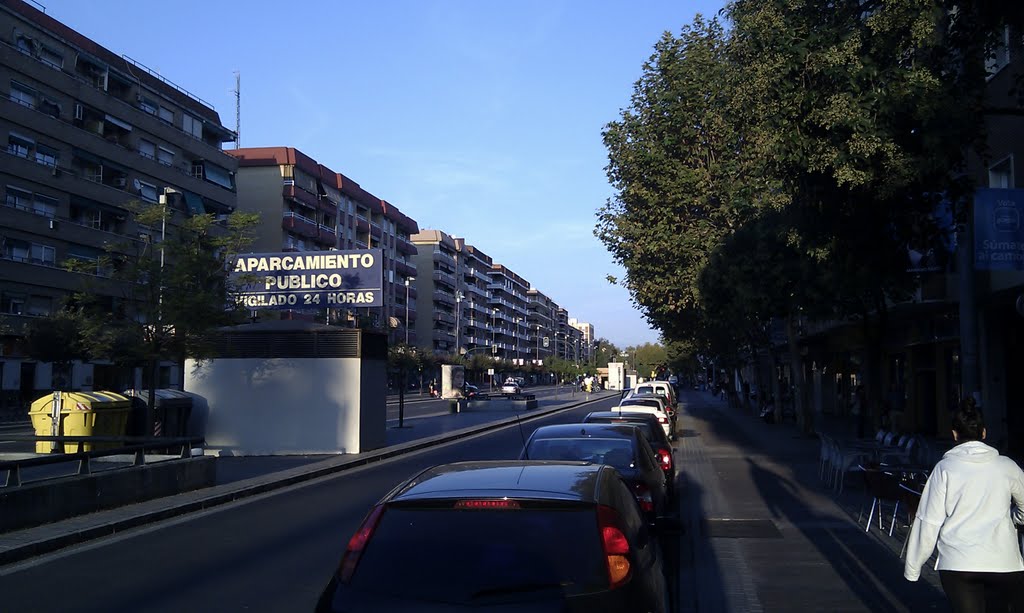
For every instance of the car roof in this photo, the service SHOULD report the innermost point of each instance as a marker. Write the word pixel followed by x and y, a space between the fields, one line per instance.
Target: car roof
pixel 536 479
pixel 587 430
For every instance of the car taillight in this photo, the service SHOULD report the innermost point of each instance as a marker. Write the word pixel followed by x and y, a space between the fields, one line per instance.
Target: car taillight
pixel 643 496
pixel 487 504
pixel 357 544
pixel 665 457
pixel 663 420
pixel 616 547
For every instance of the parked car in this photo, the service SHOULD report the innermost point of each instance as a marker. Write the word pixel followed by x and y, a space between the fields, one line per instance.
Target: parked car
pixel 656 405
pixel 621 446
pixel 504 535
pixel 659 388
pixel 652 431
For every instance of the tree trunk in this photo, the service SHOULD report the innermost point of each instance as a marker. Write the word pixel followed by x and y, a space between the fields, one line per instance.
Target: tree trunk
pixel 151 400
pixel 802 408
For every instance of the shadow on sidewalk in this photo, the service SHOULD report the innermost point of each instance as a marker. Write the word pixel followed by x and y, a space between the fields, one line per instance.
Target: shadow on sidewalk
pixel 785 480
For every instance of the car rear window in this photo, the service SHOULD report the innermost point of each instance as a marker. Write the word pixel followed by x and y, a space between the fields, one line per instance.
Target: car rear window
pixel 644 402
pixel 644 426
pixel 477 556
pixel 617 452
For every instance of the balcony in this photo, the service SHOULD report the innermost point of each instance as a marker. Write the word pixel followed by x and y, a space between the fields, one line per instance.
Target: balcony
pixel 300 225
pixel 444 277
pixel 290 192
pixel 404 246
pixel 444 298
pixel 327 234
pixel 440 256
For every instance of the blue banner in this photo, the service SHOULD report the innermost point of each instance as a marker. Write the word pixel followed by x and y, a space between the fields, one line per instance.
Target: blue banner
pixel 999 229
pixel 310 279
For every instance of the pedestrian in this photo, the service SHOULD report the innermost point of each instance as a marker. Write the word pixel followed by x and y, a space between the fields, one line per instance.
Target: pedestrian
pixel 968 509
pixel 858 408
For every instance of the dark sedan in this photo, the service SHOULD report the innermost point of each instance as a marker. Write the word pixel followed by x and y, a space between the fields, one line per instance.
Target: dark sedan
pixel 652 431
pixel 621 446
pixel 508 536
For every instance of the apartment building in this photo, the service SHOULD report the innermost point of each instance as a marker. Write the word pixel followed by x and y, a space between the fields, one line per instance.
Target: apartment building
pixel 306 206
pixel 438 283
pixel 87 131
pixel 473 299
pixel 541 320
pixel 508 303
pixel 586 339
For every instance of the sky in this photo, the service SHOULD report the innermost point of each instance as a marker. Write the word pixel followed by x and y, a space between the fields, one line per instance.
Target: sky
pixel 481 118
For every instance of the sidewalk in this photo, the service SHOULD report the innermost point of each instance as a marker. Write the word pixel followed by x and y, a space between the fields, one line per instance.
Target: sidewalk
pixel 766 535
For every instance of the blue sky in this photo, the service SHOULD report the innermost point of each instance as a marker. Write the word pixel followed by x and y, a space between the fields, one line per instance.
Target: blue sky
pixel 480 118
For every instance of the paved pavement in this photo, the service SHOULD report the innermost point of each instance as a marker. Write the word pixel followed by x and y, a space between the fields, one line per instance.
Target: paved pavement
pixel 763 533
pixel 766 535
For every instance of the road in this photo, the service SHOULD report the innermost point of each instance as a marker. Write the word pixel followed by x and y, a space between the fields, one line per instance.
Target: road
pixel 269 553
pixel 417 405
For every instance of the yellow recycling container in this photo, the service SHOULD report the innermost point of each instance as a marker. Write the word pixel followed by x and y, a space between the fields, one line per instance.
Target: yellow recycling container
pixel 81 414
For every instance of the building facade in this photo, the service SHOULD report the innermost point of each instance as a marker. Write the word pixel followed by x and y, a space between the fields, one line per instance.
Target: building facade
pixel 88 131
pixel 586 339
pixel 306 206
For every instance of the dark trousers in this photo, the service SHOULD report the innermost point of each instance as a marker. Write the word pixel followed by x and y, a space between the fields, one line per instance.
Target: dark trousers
pixel 971 592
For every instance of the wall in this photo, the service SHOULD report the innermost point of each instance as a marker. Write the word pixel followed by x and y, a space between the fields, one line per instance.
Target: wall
pixel 280 406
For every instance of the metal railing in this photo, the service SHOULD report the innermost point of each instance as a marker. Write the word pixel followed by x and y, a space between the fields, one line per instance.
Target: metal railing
pixel 136 446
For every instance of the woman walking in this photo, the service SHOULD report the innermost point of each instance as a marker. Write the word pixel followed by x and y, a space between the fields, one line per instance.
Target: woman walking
pixel 968 509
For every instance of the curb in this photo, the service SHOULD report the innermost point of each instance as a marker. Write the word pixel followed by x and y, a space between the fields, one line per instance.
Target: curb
pixel 94 526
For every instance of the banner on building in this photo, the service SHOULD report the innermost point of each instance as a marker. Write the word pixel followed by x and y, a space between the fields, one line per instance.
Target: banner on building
pixel 310 279
pixel 998 229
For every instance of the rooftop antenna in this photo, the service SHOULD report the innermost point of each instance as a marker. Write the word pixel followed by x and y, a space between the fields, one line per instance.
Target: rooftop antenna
pixel 238 109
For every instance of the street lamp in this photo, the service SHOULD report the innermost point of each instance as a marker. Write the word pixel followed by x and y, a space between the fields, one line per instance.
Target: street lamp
pixel 408 280
pixel 538 342
pixel 494 313
pixel 518 344
pixel 458 317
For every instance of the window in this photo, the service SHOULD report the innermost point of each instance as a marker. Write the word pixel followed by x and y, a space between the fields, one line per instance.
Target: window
pixel 166 114
pixel 50 107
pixel 39 306
pixel 148 192
pixel 147 149
pixel 15 249
pixel 165 156
pixel 23 94
pixel 19 198
pixel 998 57
pixel 45 205
pixel 47 156
pixel 12 303
pixel 148 105
pixel 51 58
pixel 192 125
pixel 19 145
pixel 25 44
pixel 1000 174
pixel 43 254
pixel 218 175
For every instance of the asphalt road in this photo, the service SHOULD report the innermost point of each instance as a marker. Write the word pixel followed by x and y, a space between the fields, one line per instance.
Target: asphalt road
pixel 268 553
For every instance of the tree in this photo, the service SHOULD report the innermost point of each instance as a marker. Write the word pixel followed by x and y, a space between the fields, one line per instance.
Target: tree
pixel 673 161
pixel 811 140
pixel 605 351
pixel 161 299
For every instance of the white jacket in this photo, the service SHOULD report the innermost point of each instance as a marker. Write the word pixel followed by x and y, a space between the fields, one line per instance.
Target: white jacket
pixel 966 509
